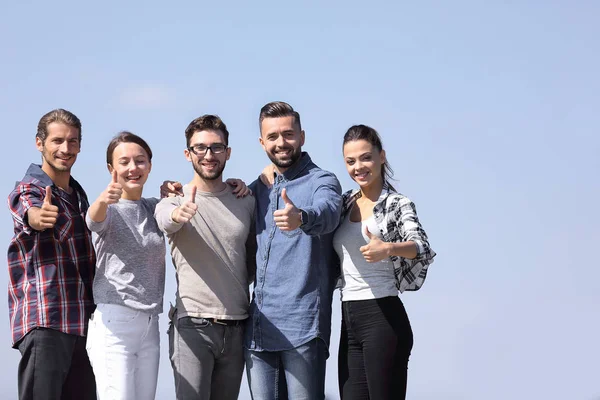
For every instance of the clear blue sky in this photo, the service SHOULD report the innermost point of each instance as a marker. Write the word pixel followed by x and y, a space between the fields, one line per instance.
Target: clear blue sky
pixel 489 112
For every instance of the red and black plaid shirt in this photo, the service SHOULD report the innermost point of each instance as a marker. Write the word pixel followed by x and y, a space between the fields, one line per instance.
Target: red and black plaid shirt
pixel 51 272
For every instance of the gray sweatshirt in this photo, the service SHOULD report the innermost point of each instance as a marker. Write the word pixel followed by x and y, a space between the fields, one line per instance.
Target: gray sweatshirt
pixel 130 251
pixel 214 253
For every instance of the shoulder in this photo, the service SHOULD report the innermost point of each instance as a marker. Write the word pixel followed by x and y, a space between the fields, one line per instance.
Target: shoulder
pixel 150 202
pixel 321 177
pixel 168 201
pixel 28 187
pixel 399 205
pixel 397 199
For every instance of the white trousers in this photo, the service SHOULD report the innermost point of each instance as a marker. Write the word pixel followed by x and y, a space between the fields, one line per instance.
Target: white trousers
pixel 124 348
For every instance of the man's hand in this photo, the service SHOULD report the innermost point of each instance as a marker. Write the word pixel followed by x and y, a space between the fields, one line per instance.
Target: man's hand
pixel 241 190
pixel 44 217
pixel 289 218
pixel 376 250
pixel 267 176
pixel 171 189
pixel 187 210
pixel 113 191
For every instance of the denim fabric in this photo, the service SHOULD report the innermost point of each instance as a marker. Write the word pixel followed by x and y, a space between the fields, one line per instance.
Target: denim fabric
pixel 207 359
pixel 297 374
pixel 296 270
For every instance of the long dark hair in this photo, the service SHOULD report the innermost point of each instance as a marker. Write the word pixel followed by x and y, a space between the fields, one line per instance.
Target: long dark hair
pixel 363 132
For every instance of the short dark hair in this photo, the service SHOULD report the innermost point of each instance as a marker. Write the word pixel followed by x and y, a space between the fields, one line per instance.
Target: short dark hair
pixel 279 109
pixel 61 116
pixel 126 137
pixel 206 122
pixel 364 132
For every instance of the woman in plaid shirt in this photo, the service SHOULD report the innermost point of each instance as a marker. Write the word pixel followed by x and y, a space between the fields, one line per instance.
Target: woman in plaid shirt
pixel 382 249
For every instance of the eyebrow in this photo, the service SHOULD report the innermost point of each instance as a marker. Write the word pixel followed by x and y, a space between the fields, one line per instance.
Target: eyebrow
pixel 204 144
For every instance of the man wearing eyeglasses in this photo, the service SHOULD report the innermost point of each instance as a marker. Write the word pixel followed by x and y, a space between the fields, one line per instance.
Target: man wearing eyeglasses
pixel 213 247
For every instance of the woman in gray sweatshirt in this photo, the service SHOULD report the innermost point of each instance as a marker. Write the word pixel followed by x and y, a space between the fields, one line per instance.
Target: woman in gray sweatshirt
pixel 123 338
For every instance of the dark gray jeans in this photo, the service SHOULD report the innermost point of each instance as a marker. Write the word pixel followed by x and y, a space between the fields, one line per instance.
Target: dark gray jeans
pixel 207 359
pixel 54 365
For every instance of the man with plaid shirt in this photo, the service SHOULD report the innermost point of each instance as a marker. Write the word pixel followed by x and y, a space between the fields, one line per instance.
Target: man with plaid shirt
pixel 51 265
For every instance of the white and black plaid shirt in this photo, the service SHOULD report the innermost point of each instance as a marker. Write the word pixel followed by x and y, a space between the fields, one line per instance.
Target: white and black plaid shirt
pixel 396 218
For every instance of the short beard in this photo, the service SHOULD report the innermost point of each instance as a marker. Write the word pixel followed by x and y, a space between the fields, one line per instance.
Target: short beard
pixel 213 175
pixel 295 156
pixel 56 166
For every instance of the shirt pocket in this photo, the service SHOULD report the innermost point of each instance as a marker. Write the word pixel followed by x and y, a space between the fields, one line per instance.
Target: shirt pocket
pixel 293 233
pixel 63 227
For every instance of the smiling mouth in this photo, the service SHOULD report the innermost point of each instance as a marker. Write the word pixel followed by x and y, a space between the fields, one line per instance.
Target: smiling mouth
pixel 134 178
pixel 362 175
pixel 211 165
pixel 286 152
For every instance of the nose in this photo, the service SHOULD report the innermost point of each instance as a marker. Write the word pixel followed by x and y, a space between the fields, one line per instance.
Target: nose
pixel 131 166
pixel 64 147
pixel 280 142
pixel 209 154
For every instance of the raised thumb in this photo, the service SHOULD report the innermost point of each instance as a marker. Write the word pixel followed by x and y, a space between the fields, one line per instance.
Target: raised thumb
pixel 193 194
pixel 285 197
pixel 368 233
pixel 48 198
pixel 114 176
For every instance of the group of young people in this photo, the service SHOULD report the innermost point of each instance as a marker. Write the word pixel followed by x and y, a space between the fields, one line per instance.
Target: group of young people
pixel 84 309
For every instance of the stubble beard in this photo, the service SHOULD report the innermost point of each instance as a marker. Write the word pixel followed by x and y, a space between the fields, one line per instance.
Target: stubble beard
pixel 54 165
pixel 295 156
pixel 209 176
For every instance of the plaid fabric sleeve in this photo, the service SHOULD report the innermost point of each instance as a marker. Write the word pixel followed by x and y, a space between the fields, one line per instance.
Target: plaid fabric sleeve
pixel 20 200
pixel 411 230
pixel 411 273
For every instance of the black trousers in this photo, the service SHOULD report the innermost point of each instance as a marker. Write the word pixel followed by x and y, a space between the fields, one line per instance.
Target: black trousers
pixel 375 345
pixel 54 366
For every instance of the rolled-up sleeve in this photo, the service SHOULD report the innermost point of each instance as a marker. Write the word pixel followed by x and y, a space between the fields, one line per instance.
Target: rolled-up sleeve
pixel 21 199
pixel 411 230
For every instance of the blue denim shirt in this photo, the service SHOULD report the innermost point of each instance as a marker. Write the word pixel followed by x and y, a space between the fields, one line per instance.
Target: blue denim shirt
pixel 296 270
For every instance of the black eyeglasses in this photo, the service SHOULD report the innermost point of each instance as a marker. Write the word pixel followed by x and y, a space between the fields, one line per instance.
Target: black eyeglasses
pixel 201 150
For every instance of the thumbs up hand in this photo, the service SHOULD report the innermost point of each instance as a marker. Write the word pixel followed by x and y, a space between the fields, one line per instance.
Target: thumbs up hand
pixel 113 191
pixel 47 215
pixel 289 218
pixel 187 210
pixel 376 250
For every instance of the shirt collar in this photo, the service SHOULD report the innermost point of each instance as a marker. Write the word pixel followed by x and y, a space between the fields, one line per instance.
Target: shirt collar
pixel 35 171
pixel 356 194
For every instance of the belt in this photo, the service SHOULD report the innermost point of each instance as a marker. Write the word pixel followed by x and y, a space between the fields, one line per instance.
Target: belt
pixel 228 322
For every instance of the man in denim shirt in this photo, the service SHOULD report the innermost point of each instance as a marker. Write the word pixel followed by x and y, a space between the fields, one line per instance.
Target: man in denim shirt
pixel 287 336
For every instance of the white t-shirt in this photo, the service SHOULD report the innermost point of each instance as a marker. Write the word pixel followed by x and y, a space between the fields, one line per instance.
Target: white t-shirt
pixel 362 280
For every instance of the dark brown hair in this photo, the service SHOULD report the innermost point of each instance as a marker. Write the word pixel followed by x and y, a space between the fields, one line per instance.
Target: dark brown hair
pixel 363 132
pixel 126 137
pixel 61 116
pixel 206 123
pixel 279 109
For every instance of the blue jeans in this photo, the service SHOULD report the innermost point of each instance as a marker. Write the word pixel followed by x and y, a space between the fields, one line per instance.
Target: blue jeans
pixel 297 374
